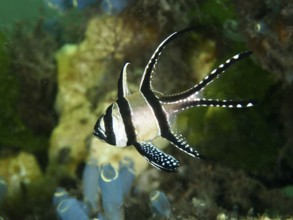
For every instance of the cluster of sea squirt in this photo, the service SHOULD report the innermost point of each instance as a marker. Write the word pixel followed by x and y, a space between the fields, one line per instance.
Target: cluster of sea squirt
pixel 105 190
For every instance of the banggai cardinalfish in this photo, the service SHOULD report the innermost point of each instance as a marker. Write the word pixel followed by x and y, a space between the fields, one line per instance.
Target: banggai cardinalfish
pixel 138 118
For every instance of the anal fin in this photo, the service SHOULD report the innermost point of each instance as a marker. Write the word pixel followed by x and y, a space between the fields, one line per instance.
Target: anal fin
pixel 179 141
pixel 157 158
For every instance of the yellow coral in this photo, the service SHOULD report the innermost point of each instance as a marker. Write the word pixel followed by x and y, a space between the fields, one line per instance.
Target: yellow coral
pixel 18 170
pixel 81 69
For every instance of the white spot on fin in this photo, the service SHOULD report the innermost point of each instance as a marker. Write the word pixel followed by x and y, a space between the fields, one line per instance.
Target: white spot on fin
pixel 236 56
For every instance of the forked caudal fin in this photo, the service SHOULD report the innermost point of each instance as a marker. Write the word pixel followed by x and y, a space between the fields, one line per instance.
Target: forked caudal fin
pixel 184 105
pixel 192 93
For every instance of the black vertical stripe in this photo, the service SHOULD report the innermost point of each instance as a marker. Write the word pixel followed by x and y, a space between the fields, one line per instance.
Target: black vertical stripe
pixel 159 113
pixel 125 112
pixel 108 120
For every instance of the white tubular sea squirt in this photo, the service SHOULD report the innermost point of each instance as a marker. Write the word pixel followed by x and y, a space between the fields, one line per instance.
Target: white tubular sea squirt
pixel 112 193
pixel 70 209
pixel 127 175
pixel 90 184
pixel 159 204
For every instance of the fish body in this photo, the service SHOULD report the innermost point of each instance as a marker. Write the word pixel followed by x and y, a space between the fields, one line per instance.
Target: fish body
pixel 138 118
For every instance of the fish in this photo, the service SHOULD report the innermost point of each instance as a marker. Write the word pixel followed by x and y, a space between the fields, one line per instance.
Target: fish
pixel 140 117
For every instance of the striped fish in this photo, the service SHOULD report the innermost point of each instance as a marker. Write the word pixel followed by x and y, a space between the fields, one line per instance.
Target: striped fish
pixel 138 118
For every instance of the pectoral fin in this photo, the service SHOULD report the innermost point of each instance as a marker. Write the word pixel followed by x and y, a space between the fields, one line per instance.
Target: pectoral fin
pixel 156 157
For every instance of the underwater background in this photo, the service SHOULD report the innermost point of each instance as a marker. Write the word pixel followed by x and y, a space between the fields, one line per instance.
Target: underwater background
pixel 59 65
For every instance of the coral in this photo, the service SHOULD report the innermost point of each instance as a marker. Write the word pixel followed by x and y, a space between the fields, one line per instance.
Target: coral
pixel 35 72
pixel 114 6
pixel 26 90
pixel 74 109
pixel 20 170
pixel 206 189
pixel 112 40
pixel 161 16
pixel 269 30
pixel 30 200
pixel 83 70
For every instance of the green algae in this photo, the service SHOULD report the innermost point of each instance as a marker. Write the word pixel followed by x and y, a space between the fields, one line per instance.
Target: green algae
pixel 10 125
pixel 217 11
pixel 13 131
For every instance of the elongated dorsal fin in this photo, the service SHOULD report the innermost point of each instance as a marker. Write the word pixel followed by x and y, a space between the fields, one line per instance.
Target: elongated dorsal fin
pixel 145 84
pixel 122 82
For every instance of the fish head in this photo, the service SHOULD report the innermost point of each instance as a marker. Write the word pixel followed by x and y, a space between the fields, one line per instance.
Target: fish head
pixel 99 130
pixel 110 127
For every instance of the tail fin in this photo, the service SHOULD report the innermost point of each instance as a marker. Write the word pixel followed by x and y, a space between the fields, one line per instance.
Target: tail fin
pixel 192 93
pixel 178 107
